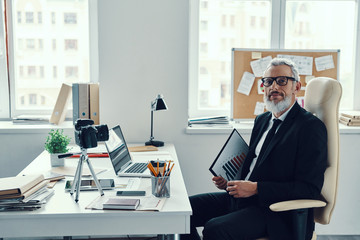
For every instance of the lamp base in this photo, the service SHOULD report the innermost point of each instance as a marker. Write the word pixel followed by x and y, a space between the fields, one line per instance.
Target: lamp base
pixel 154 143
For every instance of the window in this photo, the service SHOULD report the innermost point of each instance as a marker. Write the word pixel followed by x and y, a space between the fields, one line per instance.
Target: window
pixel 71 72
pixel 19 17
pixel 30 43
pixel 54 72
pixel 70 18
pixel 29 17
pixel 291 24
pixel 71 44
pixel 39 15
pixel 53 44
pixel 41 44
pixel 34 78
pixel 53 18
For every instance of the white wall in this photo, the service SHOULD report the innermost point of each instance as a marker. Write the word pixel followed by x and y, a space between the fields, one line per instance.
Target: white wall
pixel 143 51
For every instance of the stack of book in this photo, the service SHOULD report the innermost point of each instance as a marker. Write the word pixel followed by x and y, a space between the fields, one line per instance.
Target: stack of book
pixel 23 193
pixel 214 120
pixel 350 118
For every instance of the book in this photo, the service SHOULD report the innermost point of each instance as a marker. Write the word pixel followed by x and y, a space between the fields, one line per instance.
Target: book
pixel 209 120
pixel 26 194
pixel 84 100
pixel 31 119
pixel 349 123
pixel 75 101
pixel 52 176
pixel 94 102
pixel 231 157
pixel 59 112
pixel 19 185
pixel 351 114
pixel 121 203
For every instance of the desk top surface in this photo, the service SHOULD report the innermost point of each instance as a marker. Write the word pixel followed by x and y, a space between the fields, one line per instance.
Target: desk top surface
pixel 61 207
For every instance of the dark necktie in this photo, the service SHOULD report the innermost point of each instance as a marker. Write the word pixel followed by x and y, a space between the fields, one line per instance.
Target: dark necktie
pixel 269 136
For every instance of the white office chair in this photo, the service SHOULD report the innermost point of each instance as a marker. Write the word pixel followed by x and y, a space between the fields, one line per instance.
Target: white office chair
pixel 322 98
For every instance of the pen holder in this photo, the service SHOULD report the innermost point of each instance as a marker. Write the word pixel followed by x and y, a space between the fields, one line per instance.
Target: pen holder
pixel 160 186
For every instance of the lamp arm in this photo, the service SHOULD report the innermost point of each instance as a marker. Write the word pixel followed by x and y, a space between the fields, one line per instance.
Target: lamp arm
pixel 151 134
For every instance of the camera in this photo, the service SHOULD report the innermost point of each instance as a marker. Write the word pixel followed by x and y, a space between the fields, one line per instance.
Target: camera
pixel 87 135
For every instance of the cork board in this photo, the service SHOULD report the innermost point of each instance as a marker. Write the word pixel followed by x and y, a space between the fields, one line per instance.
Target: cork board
pixel 242 105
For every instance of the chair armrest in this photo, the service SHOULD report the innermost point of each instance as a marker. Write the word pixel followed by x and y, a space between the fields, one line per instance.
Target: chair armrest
pixel 296 204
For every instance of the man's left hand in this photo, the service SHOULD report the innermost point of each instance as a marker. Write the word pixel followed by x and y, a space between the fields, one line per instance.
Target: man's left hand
pixel 241 189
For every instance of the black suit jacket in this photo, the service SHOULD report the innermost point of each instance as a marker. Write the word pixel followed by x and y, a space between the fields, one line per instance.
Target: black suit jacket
pixel 293 165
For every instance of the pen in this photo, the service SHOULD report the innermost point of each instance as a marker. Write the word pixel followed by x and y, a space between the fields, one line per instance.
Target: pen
pixel 157 168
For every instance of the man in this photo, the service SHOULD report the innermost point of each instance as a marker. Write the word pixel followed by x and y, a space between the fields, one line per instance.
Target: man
pixel 286 160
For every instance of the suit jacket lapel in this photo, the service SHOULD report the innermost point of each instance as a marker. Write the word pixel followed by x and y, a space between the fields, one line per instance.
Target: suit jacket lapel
pixel 281 131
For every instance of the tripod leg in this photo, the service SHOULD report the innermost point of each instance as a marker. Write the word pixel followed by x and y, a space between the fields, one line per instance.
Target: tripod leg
pixel 75 177
pixel 94 176
pixel 79 178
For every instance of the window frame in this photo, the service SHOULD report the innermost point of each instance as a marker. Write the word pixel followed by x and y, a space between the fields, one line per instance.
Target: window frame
pixel 8 79
pixel 278 12
pixel 4 91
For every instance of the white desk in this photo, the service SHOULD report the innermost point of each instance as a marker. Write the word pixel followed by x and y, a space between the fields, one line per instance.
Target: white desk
pixel 61 216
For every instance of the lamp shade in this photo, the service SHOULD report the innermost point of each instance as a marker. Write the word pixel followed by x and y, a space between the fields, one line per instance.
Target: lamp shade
pixel 158 104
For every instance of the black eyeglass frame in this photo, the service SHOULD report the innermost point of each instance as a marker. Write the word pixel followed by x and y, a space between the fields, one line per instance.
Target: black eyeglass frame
pixel 277 80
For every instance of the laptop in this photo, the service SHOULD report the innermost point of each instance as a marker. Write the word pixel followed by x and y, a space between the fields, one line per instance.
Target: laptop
pixel 120 156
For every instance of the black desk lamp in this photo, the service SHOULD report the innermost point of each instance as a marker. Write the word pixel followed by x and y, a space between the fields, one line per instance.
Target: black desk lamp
pixel 156 105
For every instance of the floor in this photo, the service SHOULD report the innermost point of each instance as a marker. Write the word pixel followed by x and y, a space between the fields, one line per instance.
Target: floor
pixel 324 237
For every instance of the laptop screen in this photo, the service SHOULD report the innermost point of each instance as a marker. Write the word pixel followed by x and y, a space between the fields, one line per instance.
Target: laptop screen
pixel 117 149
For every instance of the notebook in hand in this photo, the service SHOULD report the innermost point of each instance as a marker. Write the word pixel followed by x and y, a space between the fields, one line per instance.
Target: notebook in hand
pixel 121 203
pixel 120 157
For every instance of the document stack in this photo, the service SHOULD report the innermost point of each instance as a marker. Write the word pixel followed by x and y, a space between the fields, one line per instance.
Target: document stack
pixel 23 193
pixel 31 119
pixel 209 121
pixel 350 118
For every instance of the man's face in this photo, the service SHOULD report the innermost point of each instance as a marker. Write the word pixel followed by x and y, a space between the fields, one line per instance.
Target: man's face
pixel 276 93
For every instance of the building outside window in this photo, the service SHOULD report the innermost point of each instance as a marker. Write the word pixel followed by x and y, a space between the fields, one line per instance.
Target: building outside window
pixel 259 25
pixel 33 52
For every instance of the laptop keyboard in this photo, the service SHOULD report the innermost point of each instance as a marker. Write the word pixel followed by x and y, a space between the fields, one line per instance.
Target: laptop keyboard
pixel 137 168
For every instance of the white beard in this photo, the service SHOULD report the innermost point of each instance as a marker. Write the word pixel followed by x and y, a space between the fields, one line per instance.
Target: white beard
pixel 277 107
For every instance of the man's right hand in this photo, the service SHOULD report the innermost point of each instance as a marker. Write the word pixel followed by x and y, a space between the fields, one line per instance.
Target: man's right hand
pixel 220 182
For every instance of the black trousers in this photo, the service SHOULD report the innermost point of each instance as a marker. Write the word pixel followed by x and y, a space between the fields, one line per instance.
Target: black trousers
pixel 225 217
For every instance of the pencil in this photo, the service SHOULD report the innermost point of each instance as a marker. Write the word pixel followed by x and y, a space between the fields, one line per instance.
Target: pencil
pixel 157 168
pixel 164 169
pixel 150 167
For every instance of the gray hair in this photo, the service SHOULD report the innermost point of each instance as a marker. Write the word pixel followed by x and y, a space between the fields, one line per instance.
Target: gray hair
pixel 287 62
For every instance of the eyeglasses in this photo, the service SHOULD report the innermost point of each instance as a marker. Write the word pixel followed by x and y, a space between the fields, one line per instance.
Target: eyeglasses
pixel 281 80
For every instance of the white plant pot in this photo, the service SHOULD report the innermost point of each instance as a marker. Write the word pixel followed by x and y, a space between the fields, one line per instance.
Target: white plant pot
pixel 55 161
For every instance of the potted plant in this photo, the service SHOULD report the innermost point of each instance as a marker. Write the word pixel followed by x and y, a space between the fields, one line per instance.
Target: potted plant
pixel 57 143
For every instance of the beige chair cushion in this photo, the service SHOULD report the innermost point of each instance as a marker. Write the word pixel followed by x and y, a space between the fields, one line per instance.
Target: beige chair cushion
pixel 322 98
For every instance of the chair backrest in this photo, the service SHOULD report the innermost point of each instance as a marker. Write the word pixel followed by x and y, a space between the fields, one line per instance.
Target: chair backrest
pixel 322 98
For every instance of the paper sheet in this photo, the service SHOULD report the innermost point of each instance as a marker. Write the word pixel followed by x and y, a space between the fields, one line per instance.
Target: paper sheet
pixel 127 183
pixel 324 63
pixel 259 66
pixel 259 108
pixel 303 63
pixel 246 83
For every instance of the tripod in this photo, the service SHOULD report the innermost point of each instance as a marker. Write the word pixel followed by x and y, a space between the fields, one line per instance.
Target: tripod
pixel 77 178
